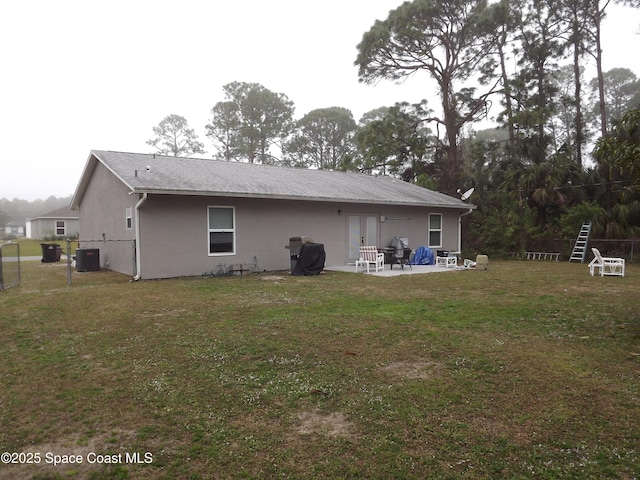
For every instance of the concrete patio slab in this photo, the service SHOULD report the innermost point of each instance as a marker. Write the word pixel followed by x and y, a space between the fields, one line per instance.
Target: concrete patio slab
pixel 396 271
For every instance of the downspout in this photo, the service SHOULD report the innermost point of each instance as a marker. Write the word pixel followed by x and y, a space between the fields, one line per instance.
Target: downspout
pixel 460 227
pixel 143 199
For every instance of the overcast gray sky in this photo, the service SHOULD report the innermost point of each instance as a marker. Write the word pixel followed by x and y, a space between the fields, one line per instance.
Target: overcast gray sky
pixel 79 75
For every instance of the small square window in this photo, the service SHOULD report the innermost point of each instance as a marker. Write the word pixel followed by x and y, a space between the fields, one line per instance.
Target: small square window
pixel 128 216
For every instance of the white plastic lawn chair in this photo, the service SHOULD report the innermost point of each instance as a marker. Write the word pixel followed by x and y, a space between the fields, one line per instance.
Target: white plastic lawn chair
pixel 607 265
pixel 369 256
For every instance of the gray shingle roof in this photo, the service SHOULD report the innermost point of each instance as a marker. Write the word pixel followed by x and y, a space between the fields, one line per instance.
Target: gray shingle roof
pixel 59 213
pixel 195 176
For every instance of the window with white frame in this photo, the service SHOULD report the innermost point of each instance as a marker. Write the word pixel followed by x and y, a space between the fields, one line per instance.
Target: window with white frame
pixel 435 230
pixel 129 216
pixel 60 228
pixel 222 230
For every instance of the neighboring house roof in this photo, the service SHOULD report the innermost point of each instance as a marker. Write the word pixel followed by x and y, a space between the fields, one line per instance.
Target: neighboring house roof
pixel 149 173
pixel 63 213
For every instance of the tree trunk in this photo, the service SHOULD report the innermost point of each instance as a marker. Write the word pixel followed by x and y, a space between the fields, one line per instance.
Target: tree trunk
pixel 507 101
pixel 450 114
pixel 602 103
pixel 540 152
pixel 578 86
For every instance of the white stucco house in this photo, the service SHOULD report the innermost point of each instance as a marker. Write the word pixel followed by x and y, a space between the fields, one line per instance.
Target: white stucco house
pixel 189 215
pixel 14 229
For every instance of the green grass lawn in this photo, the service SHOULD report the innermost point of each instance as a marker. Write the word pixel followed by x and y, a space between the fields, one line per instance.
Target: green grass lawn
pixel 32 247
pixel 527 370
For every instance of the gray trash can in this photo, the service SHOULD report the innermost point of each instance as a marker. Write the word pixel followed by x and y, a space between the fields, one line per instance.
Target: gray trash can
pixel 50 252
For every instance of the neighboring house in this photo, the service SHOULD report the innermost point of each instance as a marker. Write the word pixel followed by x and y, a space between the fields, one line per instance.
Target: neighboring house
pixel 62 222
pixel 14 229
pixel 193 216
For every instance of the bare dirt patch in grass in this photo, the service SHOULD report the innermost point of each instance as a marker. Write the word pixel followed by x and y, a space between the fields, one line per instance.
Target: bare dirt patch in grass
pixel 328 424
pixel 72 456
pixel 272 278
pixel 166 313
pixel 413 370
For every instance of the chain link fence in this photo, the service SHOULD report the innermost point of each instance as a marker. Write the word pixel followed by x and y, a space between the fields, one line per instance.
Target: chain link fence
pixel 91 255
pixel 628 249
pixel 9 265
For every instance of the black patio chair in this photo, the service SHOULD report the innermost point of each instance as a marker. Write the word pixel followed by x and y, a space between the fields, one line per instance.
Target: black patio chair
pixel 401 257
